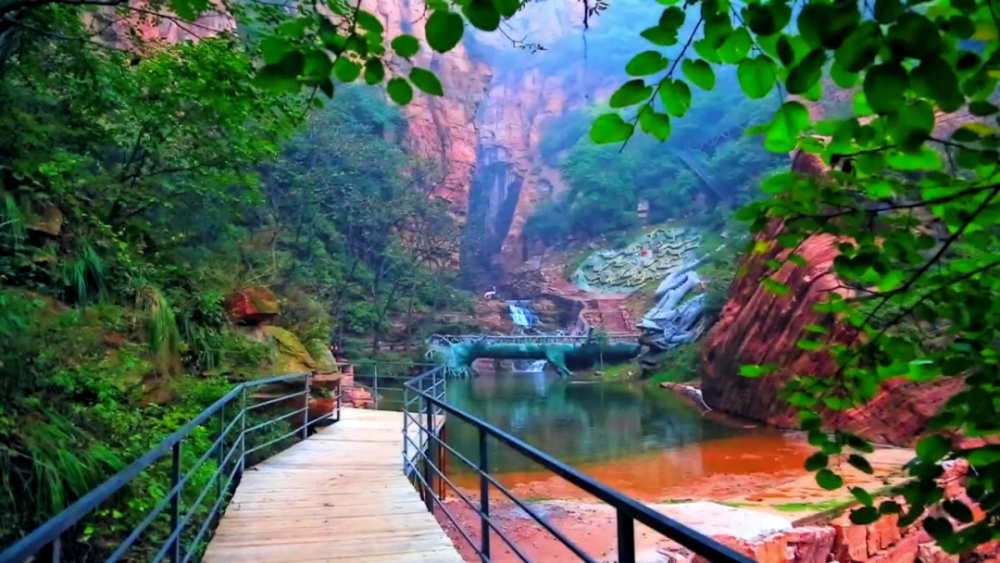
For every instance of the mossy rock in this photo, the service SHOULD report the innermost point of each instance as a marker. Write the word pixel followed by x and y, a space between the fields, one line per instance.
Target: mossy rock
pixel 319 351
pixel 288 354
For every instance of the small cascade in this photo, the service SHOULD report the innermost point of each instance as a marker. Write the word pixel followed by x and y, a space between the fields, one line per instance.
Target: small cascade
pixel 522 314
pixel 529 366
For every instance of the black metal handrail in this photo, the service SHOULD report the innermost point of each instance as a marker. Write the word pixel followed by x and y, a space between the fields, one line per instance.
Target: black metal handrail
pixel 426 390
pixel 378 377
pixel 50 533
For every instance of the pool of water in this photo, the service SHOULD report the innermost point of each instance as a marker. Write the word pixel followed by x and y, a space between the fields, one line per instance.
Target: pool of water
pixel 635 437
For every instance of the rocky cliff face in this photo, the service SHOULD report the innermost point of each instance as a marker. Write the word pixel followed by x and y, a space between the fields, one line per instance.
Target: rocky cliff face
pixel 442 130
pixel 756 327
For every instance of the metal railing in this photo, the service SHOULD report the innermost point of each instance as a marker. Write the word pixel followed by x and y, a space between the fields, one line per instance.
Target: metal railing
pixel 426 399
pixel 611 338
pixel 384 380
pixel 230 448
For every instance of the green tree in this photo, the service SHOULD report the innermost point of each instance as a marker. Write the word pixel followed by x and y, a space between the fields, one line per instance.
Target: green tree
pixel 913 201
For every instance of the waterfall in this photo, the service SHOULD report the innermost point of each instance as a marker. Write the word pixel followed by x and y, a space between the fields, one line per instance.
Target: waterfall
pixel 530 366
pixel 522 314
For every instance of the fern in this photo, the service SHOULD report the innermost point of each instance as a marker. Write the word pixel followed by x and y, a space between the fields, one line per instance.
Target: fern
pixel 82 276
pixel 12 220
pixel 162 334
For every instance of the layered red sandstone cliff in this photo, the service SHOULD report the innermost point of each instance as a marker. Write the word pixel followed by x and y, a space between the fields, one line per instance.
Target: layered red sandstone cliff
pixel 757 327
pixel 440 129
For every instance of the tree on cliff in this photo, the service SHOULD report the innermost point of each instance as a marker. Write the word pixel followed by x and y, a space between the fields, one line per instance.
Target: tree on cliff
pixel 912 198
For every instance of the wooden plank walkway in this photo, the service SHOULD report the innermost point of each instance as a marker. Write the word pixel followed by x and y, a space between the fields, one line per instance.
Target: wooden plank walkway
pixel 338 496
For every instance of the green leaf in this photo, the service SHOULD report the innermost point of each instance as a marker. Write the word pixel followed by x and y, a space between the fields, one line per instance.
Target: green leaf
pixel 645 63
pixel 938 528
pixel 981 108
pixel 982 457
pixel 913 126
pixel 736 46
pixel 776 287
pixel 933 448
pixel 273 48
pixel 660 36
pixel 508 8
pixel 426 81
pixel 707 51
pixel 482 14
pixel 807 73
pixel 768 19
pixel 699 73
pixel 317 66
pixel 798 260
pixel 890 507
pixel 788 122
pixel 935 79
pixel 444 30
pixel 957 510
pixel 631 93
pixel 656 124
pixel 374 71
pixel 818 329
pixel 809 345
pixel 326 86
pixel 841 77
pixel 914 35
pixel 676 96
pixel 817 461
pixel 717 28
pixel 864 515
pixel 610 128
pixel 885 87
pixel 888 11
pixel 862 495
pixel 369 23
pixel 829 480
pixel 755 371
pixel 927 159
pixel 672 18
pixel 399 91
pixel 860 463
pixel 405 46
pixel 189 10
pixel 860 48
pixel 346 70
pixel 961 27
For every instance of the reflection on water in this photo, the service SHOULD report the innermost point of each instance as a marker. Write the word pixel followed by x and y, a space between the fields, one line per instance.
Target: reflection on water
pixel 631 436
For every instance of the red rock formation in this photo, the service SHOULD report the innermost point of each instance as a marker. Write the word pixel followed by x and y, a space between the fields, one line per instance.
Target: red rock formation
pixel 756 327
pixel 252 306
pixel 441 129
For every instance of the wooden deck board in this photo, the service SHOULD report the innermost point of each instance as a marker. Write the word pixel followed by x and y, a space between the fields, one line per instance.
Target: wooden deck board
pixel 338 496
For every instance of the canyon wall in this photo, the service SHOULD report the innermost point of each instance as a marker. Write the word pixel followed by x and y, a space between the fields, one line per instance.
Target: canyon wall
pixel 440 129
pixel 758 327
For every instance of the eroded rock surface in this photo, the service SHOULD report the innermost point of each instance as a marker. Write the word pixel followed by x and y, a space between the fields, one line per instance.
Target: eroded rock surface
pixel 757 327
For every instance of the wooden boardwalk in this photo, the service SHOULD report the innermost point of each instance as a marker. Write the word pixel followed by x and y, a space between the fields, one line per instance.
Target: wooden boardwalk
pixel 338 496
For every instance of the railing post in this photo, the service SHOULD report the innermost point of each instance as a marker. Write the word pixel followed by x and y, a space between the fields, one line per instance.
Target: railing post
pixel 57 549
pixel 221 453
pixel 243 431
pixel 484 493
pixel 175 503
pixel 376 386
pixel 428 456
pixel 626 538
pixel 305 412
pixel 406 426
